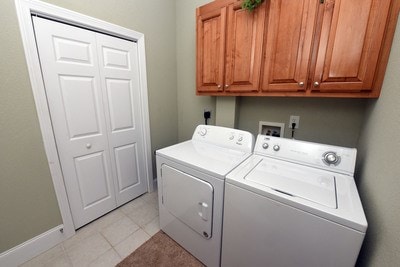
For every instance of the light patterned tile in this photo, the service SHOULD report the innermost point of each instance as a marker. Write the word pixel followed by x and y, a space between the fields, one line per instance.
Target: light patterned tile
pixel 131 243
pixel 152 227
pixel 108 259
pixel 79 236
pixel 143 215
pixel 133 205
pixel 60 261
pixel 107 219
pixel 119 230
pixel 47 256
pixel 88 250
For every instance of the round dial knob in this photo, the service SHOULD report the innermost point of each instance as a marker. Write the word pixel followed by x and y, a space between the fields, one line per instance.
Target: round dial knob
pixel 240 138
pixel 231 137
pixel 265 145
pixel 203 131
pixel 331 158
pixel 276 147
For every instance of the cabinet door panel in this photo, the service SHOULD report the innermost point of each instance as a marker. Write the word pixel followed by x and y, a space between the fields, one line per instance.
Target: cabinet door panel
pixel 244 48
pixel 211 50
pixel 349 44
pixel 289 33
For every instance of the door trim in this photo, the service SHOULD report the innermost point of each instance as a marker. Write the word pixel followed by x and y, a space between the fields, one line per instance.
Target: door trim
pixel 27 8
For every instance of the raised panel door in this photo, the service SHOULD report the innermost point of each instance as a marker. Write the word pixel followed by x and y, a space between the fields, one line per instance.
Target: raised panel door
pixel 120 77
pixel 210 46
pixel 287 44
pixel 73 87
pixel 244 48
pixel 349 45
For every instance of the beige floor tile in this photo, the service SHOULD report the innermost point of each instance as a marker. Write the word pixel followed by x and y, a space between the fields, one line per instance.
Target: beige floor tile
pixel 151 197
pixel 47 256
pixel 133 205
pixel 131 243
pixel 79 236
pixel 106 220
pixel 143 215
pixel 60 261
pixel 88 250
pixel 152 227
pixel 119 230
pixel 108 259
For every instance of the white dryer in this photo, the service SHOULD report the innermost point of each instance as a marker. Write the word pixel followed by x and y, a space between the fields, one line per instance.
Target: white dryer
pixel 293 203
pixel 190 177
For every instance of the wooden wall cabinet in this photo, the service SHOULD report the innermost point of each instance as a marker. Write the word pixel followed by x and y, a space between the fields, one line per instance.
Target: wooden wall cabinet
pixel 338 48
pixel 229 47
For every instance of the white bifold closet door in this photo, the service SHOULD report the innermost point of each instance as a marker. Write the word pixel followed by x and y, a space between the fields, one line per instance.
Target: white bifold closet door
pixel 92 88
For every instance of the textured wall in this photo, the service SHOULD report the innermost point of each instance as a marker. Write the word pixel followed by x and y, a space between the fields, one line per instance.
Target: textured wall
pixel 28 206
pixel 378 170
pixel 190 106
pixel 330 121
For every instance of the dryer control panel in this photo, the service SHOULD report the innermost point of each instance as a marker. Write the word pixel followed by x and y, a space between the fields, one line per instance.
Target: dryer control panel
pixel 328 157
pixel 225 137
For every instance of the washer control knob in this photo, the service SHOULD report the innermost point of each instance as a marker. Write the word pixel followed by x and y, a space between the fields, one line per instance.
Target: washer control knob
pixel 276 147
pixel 231 137
pixel 203 131
pixel 240 139
pixel 331 158
pixel 265 145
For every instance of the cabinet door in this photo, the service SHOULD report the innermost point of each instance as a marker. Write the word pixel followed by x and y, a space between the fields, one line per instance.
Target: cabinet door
pixel 244 48
pixel 349 45
pixel 288 38
pixel 211 25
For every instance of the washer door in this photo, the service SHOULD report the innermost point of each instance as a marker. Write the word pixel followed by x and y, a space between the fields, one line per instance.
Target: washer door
pixel 189 199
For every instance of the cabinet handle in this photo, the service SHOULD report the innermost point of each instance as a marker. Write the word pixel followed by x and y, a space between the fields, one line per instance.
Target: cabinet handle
pixel 316 84
pixel 219 86
pixel 301 84
pixel 88 145
pixel 226 85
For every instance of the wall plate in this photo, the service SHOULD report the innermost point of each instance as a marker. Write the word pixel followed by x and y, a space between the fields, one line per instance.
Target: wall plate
pixel 276 129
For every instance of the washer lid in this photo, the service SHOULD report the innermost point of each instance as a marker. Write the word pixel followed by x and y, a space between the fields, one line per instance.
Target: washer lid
pixel 295 180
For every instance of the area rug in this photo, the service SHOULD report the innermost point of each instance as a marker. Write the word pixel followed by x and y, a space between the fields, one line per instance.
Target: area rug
pixel 160 250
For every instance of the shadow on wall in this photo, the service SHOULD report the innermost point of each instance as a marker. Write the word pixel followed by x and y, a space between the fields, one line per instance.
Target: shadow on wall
pixel 372 237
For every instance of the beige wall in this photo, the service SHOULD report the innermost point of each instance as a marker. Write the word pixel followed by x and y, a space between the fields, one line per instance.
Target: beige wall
pixel 190 106
pixel 331 121
pixel 28 205
pixel 378 171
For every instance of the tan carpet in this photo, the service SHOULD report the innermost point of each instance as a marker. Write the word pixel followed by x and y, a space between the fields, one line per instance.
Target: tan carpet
pixel 160 250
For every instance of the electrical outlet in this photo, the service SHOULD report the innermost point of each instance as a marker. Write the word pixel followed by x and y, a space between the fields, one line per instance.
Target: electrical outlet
pixel 294 119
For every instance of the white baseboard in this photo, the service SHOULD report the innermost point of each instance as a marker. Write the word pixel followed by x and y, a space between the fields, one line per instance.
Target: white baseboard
pixel 33 247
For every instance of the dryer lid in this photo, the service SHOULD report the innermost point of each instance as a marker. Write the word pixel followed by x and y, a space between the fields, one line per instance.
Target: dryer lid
pixel 296 180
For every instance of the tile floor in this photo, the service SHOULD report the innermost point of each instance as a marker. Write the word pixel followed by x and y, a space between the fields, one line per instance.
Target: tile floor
pixel 107 240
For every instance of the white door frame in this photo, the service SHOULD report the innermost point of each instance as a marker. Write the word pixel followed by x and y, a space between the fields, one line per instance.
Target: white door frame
pixel 27 8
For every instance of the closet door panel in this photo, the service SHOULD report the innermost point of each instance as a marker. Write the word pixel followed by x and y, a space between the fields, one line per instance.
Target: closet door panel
pixel 120 78
pixel 70 69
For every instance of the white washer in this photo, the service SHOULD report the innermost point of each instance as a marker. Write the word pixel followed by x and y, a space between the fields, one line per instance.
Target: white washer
pixel 190 177
pixel 293 203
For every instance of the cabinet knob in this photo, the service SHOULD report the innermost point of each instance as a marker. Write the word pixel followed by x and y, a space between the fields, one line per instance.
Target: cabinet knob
pixel 88 145
pixel 316 84
pixel 301 84
pixel 226 85
pixel 219 86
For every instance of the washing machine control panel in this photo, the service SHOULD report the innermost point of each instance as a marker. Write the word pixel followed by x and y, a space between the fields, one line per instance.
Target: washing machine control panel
pixel 332 158
pixel 225 137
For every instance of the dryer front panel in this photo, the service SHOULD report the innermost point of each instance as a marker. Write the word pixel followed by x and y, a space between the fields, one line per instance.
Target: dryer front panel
pixel 188 199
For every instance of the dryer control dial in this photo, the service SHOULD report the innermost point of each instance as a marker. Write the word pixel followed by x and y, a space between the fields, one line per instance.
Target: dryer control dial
pixel 265 145
pixel 276 147
pixel 330 158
